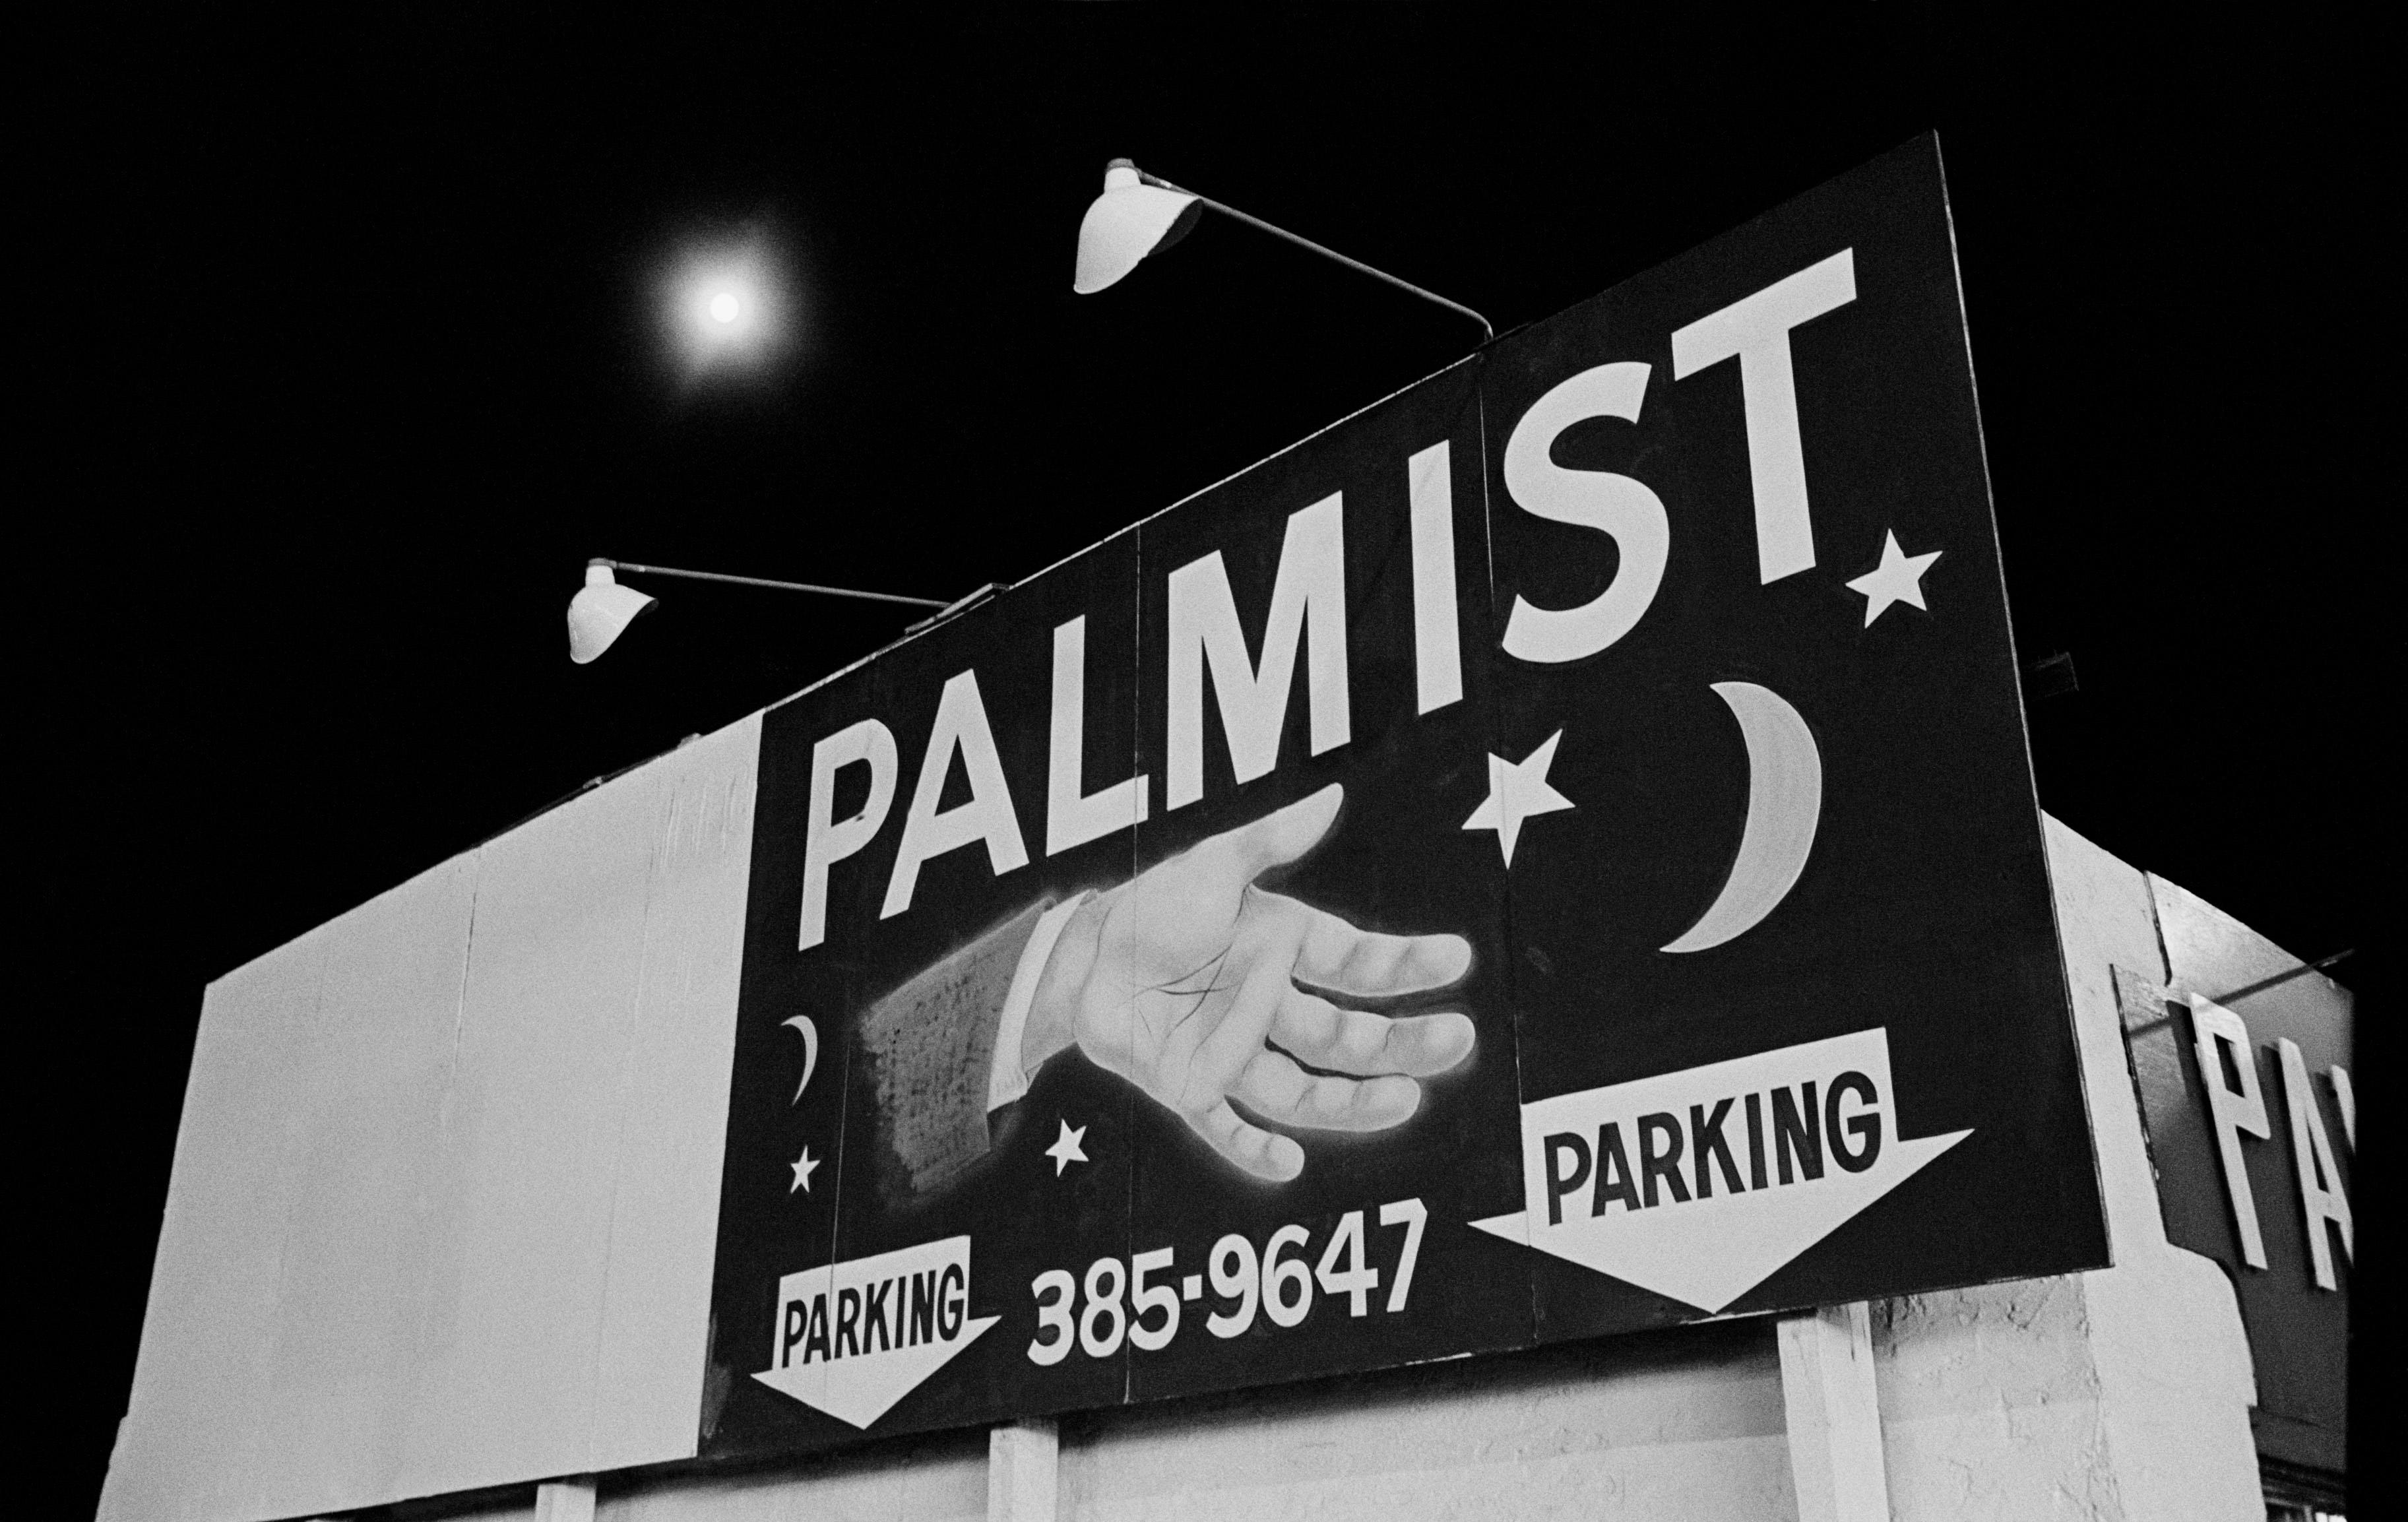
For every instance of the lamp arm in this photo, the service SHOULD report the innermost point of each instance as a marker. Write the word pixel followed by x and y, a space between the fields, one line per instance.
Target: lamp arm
pixel 782 586
pixel 1488 332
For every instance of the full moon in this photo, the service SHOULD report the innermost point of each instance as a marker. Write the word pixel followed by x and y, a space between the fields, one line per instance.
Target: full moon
pixel 724 306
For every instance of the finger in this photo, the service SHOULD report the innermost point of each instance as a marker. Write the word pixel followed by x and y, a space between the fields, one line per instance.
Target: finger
pixel 1238 1037
pixel 1278 839
pixel 1259 1152
pixel 1366 963
pixel 1358 1041
pixel 1276 1088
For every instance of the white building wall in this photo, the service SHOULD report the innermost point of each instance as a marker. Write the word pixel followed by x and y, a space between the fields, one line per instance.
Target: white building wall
pixel 1682 1425
pixel 940 1478
pixel 2122 1394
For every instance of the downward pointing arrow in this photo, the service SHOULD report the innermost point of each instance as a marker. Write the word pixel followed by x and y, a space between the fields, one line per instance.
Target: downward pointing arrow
pixel 861 1390
pixel 1707 1249
pixel 852 1339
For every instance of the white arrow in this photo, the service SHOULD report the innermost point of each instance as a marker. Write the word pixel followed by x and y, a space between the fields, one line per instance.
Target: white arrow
pixel 852 1339
pixel 1700 1184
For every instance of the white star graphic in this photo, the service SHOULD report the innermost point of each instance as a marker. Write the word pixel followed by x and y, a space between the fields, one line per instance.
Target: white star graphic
pixel 1898 578
pixel 1517 790
pixel 1065 1149
pixel 803 1167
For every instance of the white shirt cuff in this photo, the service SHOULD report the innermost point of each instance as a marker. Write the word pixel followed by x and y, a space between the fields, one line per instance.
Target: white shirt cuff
pixel 1006 1080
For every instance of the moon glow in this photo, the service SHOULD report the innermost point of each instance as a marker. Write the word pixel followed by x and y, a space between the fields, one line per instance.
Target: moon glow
pixel 1784 804
pixel 726 306
pixel 811 1034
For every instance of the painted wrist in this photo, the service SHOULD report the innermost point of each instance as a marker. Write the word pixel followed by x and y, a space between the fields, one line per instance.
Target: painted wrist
pixel 1053 1014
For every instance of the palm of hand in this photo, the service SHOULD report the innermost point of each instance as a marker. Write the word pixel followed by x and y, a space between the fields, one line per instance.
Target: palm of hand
pixel 1163 1007
pixel 1200 992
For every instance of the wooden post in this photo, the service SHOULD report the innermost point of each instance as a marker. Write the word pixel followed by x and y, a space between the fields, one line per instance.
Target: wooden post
pixel 1834 1414
pixel 565 1501
pixel 1023 1465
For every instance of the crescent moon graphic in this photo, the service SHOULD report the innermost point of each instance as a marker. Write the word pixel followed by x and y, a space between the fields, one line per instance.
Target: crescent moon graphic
pixel 1785 803
pixel 811 1034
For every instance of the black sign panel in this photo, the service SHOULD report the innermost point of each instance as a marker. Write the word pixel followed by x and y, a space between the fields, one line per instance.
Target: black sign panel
pixel 1552 854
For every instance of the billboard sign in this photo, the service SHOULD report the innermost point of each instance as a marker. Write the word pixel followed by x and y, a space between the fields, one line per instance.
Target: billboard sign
pixel 1552 854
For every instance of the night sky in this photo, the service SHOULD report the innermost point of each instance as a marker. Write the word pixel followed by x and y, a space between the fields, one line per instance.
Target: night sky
pixel 388 367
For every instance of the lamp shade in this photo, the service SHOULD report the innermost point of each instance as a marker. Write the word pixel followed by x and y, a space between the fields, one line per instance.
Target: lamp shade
pixel 1129 221
pixel 600 612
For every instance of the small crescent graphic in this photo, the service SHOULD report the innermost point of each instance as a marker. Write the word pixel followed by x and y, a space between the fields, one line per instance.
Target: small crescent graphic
pixel 1785 803
pixel 811 1034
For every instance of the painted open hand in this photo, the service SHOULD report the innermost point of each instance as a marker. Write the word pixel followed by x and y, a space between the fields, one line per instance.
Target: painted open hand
pixel 1201 988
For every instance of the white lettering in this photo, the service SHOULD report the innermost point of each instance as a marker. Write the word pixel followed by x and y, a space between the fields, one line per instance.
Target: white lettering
pixel 2232 1110
pixel 1755 330
pixel 1614 505
pixel 961 725
pixel 2321 1196
pixel 1438 658
pixel 1308 602
pixel 827 841
pixel 1073 818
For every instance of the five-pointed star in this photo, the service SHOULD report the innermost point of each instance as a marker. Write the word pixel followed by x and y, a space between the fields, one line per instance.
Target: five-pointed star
pixel 1065 1149
pixel 1898 578
pixel 803 1167
pixel 1517 790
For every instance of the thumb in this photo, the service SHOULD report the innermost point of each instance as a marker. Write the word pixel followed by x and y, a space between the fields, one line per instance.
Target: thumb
pixel 1280 837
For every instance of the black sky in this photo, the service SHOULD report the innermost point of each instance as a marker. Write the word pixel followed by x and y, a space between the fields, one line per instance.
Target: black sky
pixel 388 374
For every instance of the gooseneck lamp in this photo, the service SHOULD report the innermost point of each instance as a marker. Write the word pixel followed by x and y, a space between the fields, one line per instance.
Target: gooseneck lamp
pixel 1140 214
pixel 602 608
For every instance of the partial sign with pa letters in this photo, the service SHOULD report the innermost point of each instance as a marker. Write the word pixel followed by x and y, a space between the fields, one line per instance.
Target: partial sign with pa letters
pixel 2245 1081
pixel 1551 855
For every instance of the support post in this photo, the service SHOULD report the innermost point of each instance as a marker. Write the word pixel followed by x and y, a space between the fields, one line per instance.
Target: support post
pixel 570 1500
pixel 1023 1467
pixel 1834 1415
